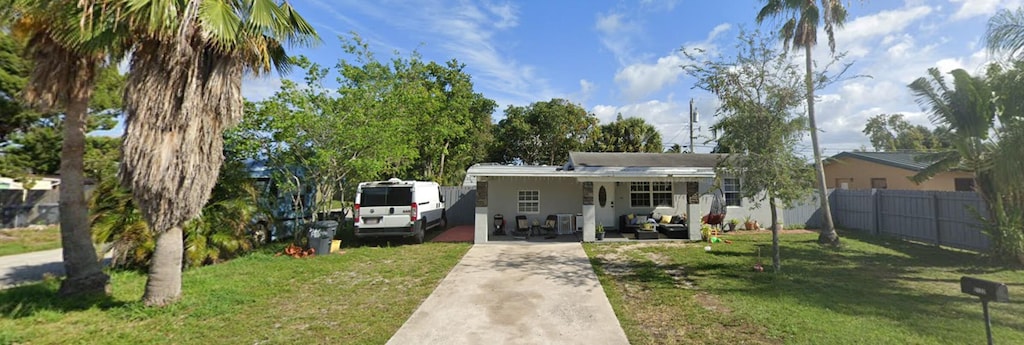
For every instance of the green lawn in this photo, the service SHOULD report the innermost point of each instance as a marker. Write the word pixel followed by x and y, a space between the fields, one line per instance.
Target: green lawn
pixel 24 240
pixel 360 297
pixel 872 291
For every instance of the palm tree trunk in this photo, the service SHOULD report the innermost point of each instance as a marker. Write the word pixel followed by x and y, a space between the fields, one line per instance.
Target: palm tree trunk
pixel 163 285
pixel 84 271
pixel 828 235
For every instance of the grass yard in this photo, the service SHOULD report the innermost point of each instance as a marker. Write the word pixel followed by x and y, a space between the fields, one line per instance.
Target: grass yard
pixel 30 239
pixel 360 297
pixel 872 291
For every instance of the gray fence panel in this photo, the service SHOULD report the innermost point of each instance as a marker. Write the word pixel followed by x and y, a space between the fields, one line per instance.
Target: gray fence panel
pixel 958 222
pixel 853 209
pixel 460 204
pixel 908 214
pixel 806 212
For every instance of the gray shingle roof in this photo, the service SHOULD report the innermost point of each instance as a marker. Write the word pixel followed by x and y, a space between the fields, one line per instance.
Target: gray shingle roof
pixel 902 160
pixel 629 159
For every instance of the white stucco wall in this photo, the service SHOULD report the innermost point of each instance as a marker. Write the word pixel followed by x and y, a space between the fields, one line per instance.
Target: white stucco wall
pixel 557 195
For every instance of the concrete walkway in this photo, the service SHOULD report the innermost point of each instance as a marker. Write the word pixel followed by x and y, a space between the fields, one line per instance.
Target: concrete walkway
pixel 30 267
pixel 516 294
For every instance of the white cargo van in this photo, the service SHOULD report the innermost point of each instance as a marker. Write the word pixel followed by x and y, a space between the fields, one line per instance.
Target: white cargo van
pixel 396 208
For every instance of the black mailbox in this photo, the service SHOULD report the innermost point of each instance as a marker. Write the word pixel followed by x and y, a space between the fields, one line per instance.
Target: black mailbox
pixel 987 290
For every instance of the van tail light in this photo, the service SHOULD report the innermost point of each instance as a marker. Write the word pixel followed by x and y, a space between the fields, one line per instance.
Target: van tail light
pixel 355 213
pixel 414 208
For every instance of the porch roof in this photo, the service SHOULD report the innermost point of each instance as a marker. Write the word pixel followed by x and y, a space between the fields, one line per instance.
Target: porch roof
pixel 590 173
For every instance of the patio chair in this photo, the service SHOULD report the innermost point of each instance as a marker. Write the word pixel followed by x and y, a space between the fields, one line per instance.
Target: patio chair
pixel 522 229
pixel 550 226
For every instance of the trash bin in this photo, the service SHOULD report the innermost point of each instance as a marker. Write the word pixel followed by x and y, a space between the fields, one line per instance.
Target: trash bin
pixel 320 235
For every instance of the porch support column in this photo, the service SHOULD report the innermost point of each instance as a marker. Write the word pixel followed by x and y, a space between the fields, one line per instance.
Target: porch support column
pixel 694 209
pixel 480 220
pixel 480 227
pixel 589 221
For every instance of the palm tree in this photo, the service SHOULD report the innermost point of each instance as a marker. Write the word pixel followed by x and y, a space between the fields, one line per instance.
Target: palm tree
pixel 183 91
pixel 981 144
pixel 1005 33
pixel 67 58
pixel 801 30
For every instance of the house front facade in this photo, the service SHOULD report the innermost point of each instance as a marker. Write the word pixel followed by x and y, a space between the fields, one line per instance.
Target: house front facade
pixel 599 188
pixel 889 170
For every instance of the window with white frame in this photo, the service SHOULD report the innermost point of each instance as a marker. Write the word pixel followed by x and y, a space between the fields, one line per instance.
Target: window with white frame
pixel 529 201
pixel 648 194
pixel 731 187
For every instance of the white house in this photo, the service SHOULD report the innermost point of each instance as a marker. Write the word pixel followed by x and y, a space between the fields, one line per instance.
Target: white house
pixel 594 188
pixel 39 183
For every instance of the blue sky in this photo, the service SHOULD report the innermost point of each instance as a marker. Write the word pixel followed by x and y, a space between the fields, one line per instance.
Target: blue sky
pixel 623 56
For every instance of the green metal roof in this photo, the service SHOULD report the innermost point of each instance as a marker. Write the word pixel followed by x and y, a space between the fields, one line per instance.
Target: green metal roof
pixel 902 160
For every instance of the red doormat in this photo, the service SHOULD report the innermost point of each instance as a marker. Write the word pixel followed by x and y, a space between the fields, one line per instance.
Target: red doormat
pixel 458 233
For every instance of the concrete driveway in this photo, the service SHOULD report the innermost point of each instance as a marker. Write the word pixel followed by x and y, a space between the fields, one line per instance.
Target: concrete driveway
pixel 516 294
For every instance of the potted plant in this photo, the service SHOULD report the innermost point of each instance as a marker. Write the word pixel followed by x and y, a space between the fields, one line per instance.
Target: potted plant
pixel 749 224
pixel 599 231
pixel 733 223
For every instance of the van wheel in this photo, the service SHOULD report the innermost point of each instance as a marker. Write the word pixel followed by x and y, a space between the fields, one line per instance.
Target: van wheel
pixel 443 225
pixel 419 234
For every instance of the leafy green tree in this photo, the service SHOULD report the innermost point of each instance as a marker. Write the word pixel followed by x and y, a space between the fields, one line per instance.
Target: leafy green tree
pixel 675 148
pixel 800 29
pixel 890 132
pixel 759 90
pixel 381 122
pixel 627 135
pixel 14 72
pixel 543 132
pixel 183 91
pixel 455 123
pixel 36 149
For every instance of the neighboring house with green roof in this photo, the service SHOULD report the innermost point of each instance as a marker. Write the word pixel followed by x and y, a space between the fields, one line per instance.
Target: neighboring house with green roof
pixel 889 170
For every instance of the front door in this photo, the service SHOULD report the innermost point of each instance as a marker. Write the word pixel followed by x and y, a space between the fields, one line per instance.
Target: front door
pixel 604 195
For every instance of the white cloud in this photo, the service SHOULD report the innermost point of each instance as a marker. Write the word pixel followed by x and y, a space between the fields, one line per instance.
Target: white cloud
pixel 973 8
pixel 508 15
pixel 259 88
pixel 616 33
pixel 881 23
pixel 640 80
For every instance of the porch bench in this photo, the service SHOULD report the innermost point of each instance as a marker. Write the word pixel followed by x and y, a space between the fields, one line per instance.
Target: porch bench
pixel 676 228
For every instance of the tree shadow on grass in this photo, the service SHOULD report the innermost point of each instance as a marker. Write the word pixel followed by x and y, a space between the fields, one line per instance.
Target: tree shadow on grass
pixel 911 285
pixel 27 300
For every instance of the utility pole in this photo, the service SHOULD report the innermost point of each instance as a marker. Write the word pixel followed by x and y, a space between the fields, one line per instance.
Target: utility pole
pixel 693 118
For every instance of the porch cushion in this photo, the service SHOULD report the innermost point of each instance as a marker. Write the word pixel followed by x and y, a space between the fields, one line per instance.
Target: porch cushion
pixel 665 219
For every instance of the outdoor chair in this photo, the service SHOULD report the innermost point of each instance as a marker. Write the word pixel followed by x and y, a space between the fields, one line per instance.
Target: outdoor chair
pixel 550 226
pixel 522 229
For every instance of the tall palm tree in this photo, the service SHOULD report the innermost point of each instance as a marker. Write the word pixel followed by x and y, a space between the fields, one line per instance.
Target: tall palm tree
pixel 800 30
pixel 183 91
pixel 67 58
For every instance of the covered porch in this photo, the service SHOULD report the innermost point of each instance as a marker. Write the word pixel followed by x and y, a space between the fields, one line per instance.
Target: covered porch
pixel 578 200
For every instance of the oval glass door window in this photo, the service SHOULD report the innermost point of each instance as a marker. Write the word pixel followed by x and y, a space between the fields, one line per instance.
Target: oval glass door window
pixel 602 196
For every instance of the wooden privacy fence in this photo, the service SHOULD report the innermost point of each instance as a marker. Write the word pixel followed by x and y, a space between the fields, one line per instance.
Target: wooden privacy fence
pixel 939 218
pixel 459 204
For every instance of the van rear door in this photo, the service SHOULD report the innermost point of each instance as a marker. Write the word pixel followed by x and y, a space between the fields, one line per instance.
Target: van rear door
pixel 385 206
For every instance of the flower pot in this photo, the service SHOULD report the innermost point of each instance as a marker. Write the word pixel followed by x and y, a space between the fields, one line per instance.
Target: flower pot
pixel 600 236
pixel 750 225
